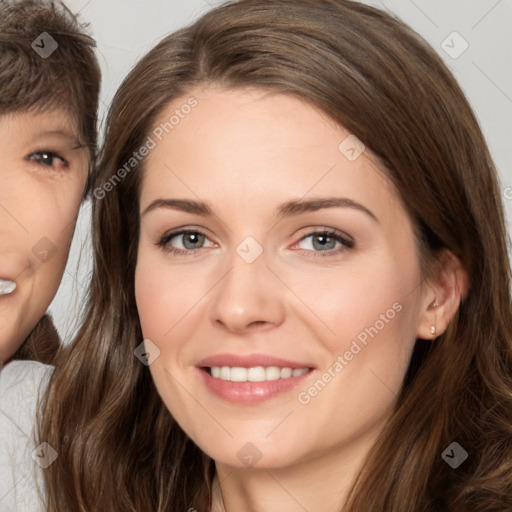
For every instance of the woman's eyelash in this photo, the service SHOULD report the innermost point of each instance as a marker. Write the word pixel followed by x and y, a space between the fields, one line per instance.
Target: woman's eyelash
pixel 47 158
pixel 345 241
pixel 331 235
pixel 164 241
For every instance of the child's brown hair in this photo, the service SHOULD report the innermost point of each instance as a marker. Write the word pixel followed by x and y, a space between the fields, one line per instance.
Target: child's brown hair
pixel 47 61
pixel 32 78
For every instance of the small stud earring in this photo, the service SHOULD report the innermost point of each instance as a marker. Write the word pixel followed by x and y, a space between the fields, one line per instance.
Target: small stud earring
pixel 433 330
pixel 435 304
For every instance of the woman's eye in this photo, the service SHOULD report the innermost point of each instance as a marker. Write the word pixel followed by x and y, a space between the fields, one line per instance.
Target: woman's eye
pixel 328 242
pixel 48 159
pixel 183 241
pixel 186 242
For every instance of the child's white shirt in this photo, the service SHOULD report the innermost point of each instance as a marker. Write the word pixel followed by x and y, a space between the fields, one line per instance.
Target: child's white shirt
pixel 22 461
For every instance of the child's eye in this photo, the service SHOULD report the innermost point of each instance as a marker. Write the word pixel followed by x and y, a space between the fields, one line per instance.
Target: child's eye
pixel 48 159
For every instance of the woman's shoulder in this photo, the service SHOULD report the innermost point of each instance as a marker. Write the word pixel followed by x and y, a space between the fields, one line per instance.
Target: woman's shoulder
pixel 22 387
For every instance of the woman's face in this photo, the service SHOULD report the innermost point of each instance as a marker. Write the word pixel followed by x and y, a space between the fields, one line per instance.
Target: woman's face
pixel 41 186
pixel 282 322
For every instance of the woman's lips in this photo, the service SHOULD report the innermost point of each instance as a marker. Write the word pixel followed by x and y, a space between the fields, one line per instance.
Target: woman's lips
pixel 250 361
pixel 251 379
pixel 250 392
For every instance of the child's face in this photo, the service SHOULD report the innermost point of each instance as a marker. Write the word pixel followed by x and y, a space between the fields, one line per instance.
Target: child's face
pixel 251 288
pixel 42 179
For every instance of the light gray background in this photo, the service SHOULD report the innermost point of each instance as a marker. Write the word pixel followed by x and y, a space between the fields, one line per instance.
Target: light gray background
pixel 126 29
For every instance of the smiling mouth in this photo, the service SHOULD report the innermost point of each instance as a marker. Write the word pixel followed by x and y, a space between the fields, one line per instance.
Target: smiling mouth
pixel 254 374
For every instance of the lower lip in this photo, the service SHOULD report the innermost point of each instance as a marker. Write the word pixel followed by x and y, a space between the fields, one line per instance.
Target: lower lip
pixel 250 392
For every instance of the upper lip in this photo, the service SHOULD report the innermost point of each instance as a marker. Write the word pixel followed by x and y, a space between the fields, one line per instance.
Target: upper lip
pixel 249 361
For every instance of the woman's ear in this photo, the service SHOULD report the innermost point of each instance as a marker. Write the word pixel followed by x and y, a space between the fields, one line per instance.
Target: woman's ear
pixel 443 293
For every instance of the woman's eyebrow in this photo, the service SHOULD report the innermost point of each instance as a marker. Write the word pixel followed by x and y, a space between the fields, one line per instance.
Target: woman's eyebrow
pixel 297 207
pixel 288 209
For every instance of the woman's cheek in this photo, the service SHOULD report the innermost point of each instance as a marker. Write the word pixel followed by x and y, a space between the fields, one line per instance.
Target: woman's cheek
pixel 163 295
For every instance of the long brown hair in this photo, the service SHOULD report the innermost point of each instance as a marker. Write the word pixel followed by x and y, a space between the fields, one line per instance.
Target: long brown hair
pixel 120 449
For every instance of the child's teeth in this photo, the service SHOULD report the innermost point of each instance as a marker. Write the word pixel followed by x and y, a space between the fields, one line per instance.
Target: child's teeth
pixel 255 374
pixel 7 287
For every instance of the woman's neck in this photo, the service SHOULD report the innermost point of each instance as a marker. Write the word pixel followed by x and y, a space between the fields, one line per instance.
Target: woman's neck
pixel 321 484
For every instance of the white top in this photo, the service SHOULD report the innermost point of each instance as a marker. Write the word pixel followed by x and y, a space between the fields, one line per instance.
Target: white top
pixel 22 385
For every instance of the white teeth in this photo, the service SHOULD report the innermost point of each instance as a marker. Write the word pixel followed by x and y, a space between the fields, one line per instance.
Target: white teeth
pixel 255 374
pixel 238 375
pixel 272 373
pixel 7 287
pixel 286 373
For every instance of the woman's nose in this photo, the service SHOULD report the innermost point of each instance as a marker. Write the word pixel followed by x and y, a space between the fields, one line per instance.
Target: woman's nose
pixel 249 296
